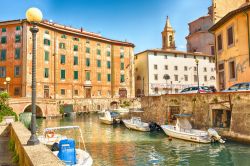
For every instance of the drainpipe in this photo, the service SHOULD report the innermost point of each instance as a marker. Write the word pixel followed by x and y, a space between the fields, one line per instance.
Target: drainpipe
pixel 248 34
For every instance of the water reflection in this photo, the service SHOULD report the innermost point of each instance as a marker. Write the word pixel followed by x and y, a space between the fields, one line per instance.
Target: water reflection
pixel 116 145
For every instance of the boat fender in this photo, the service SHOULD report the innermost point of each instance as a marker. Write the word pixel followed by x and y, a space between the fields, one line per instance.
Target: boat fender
pixel 50 134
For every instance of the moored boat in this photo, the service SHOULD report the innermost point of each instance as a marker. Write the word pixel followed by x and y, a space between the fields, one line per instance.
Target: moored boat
pixel 183 130
pixel 135 123
pixel 109 118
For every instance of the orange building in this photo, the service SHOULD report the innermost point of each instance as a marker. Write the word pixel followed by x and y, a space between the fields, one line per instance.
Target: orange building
pixel 71 63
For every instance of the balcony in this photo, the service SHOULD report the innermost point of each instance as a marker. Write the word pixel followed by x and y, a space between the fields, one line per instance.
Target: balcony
pixel 87 83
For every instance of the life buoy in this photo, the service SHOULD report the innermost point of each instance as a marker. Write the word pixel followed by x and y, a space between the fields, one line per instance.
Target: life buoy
pixel 50 134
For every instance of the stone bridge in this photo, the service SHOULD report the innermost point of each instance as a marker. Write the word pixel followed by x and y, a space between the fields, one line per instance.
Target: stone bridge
pixel 50 107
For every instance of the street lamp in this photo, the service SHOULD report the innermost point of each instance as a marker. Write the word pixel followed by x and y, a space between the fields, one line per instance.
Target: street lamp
pixel 34 16
pixel 8 83
pixel 197 66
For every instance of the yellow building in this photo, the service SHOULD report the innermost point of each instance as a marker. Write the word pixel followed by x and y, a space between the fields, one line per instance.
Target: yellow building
pixel 232 36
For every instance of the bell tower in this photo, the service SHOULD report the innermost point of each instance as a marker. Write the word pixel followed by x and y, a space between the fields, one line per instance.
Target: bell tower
pixel 168 36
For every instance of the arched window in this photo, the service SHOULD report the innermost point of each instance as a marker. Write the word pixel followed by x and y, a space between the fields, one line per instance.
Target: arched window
pixel 212 78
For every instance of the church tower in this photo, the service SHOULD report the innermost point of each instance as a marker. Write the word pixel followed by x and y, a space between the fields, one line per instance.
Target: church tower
pixel 168 36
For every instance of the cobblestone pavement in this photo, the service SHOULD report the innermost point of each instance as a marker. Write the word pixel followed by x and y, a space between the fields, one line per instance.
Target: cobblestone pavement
pixel 5 154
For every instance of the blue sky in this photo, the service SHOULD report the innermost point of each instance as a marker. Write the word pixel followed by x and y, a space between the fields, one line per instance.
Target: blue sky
pixel 137 21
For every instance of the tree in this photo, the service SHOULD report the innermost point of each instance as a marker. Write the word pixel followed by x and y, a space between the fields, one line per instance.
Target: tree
pixel 5 109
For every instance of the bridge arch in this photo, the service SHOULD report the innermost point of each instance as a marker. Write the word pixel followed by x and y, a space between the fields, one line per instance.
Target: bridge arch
pixel 39 112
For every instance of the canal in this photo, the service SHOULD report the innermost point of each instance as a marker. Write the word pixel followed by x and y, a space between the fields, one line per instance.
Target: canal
pixel 119 146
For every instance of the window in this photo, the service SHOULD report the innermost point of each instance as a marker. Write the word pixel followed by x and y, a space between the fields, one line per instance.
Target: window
pixel 155 53
pixel 232 73
pixel 99 63
pixel 75 60
pixel 62 45
pixel 108 64
pixel 87 42
pixel 75 48
pixel 99 76
pixel 195 68
pixel 122 78
pixel 18 28
pixel 46 42
pixel 18 39
pixel 185 68
pixel 205 69
pixel 76 39
pixel 87 75
pixel 156 76
pixel 195 78
pixel 155 67
pixel 176 77
pixel 212 50
pixel 63 59
pixel 186 77
pixel 205 78
pixel 17 71
pixel 75 75
pixel 46 55
pixel 46 32
pixel 98 52
pixel 63 36
pixel 3 55
pixel 87 50
pixel 122 66
pixel 219 42
pixel 3 29
pixel 3 40
pixel 230 36
pixel 76 92
pixel 63 91
pixel 63 73
pixel 98 44
pixel 17 91
pixel 166 67
pixel 175 67
pixel 175 55
pixel 87 62
pixel 99 93
pixel 165 56
pixel 185 56
pixel 108 53
pixel 122 55
pixel 138 78
pixel 17 53
pixel 108 77
pixel 156 90
pixel 2 71
pixel 46 73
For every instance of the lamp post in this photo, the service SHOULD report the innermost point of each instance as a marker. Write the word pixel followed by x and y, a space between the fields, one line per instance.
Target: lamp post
pixel 8 83
pixel 197 66
pixel 34 16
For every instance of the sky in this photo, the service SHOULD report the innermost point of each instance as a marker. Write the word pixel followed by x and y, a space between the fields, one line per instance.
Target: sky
pixel 138 21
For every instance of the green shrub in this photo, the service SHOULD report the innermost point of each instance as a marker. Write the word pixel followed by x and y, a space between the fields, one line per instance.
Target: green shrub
pixel 5 110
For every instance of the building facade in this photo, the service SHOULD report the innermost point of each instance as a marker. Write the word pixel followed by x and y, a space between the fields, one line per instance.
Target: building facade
pixel 166 70
pixel 71 63
pixel 199 39
pixel 233 47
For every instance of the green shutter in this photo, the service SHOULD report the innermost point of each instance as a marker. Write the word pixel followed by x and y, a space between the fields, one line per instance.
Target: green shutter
pixel 46 42
pixel 98 52
pixel 17 53
pixel 98 76
pixel 18 39
pixel 75 47
pixel 63 59
pixel 122 78
pixel 18 28
pixel 87 50
pixel 3 55
pixel 64 36
pixel 108 53
pixel 3 29
pixel 75 60
pixel 122 55
pixel 98 63
pixel 87 76
pixel 87 62
pixel 109 77
pixel 3 39
pixel 108 64
pixel 46 55
pixel 122 66
pixel 46 73
pixel 63 74
pixel 75 75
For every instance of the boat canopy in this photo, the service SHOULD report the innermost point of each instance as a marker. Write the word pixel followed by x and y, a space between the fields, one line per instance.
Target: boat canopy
pixel 61 128
pixel 183 123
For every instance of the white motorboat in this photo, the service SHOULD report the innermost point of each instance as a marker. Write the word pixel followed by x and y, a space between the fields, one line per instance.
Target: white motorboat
pixel 183 130
pixel 49 137
pixel 136 124
pixel 109 118
pixel 83 158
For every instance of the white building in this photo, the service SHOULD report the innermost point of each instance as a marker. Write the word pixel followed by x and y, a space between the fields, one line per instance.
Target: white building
pixel 166 70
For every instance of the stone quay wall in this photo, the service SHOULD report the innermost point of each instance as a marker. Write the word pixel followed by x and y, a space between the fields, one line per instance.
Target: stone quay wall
pixel 37 155
pixel 229 113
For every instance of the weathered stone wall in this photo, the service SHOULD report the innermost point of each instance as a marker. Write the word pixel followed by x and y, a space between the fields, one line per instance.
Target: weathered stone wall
pixel 201 106
pixel 31 155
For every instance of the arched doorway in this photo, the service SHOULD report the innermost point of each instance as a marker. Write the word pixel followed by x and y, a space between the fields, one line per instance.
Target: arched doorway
pixel 39 112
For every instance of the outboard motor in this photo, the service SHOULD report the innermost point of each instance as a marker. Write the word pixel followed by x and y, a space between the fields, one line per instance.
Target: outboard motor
pixel 214 135
pixel 154 126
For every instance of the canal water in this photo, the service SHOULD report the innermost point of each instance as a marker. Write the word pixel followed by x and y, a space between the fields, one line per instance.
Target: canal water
pixel 118 146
